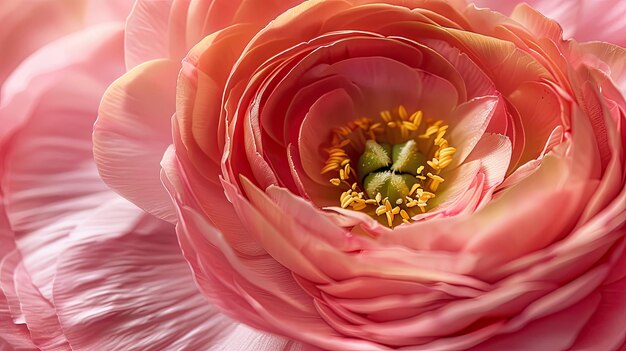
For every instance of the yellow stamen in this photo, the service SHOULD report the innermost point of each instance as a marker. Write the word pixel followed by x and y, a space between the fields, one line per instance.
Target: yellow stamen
pixel 413 188
pixel 330 167
pixel 379 197
pixel 389 218
pixel 402 112
pixel 404 214
pixel 359 206
pixel 380 210
pixel 347 201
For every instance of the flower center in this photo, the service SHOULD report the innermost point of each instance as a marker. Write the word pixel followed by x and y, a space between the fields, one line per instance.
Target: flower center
pixel 398 170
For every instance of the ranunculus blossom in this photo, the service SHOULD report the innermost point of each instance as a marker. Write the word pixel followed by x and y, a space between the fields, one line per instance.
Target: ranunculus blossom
pixel 340 174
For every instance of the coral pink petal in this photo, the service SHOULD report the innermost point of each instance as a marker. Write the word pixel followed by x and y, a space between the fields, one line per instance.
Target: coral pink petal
pixel 457 183
pixel 605 331
pixel 612 61
pixel 467 125
pixel 201 84
pixel 384 83
pixel 514 226
pixel 180 174
pixel 213 272
pixel 316 130
pixel 493 151
pixel 555 332
pixel 132 132
pixel 541 112
pixel 98 302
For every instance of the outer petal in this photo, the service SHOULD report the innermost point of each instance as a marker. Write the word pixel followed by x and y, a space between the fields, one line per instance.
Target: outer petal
pixel 244 338
pixel 611 59
pixel 169 28
pixel 48 170
pixel 48 180
pixel 141 297
pixel 26 26
pixel 132 132
pixel 98 11
pixel 581 19
pixel 147 32
pixel 605 330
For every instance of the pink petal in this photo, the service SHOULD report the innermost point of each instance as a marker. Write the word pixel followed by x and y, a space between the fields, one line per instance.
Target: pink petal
pixel 583 20
pixel 147 32
pixel 468 123
pixel 180 176
pixel 500 229
pixel 602 19
pixel 132 132
pixel 39 72
pixel 611 59
pixel 493 151
pixel 555 332
pixel 12 325
pixel 316 130
pixel 244 338
pixel 384 83
pixel 39 313
pixel 141 297
pixel 169 28
pixel 605 329
pixel 454 195
pixel 28 26
pixel 256 304
pixel 49 172
pixel 105 11
pixel 540 112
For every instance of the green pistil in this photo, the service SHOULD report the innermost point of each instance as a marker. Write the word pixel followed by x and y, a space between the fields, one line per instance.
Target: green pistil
pixel 389 170
pixel 376 156
pixel 406 158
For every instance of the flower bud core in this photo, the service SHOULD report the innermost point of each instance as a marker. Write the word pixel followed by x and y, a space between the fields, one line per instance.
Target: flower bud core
pixel 399 164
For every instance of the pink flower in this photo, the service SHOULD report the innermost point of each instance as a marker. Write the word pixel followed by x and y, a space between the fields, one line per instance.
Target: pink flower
pixel 341 175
